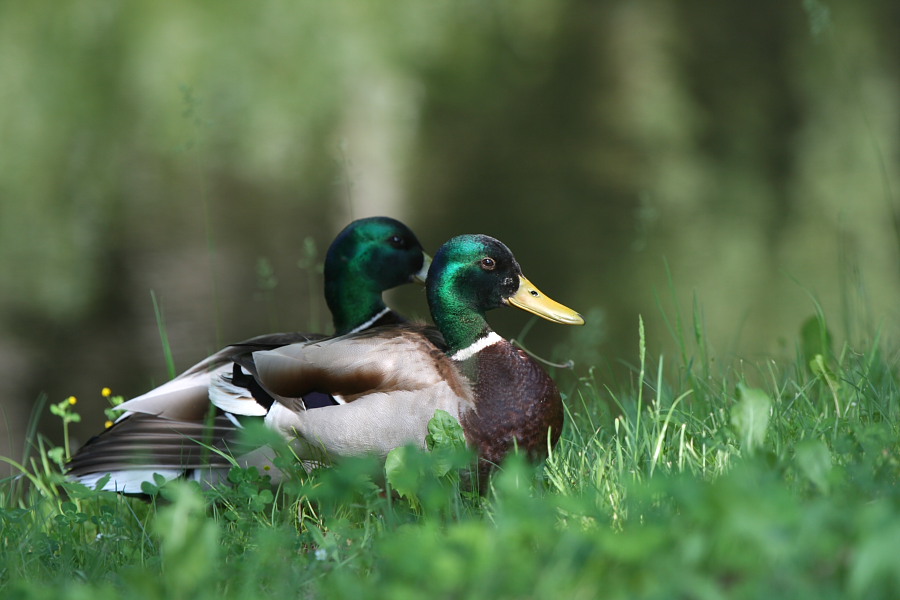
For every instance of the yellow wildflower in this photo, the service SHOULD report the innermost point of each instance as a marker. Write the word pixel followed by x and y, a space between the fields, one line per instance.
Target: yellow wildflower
pixel 106 392
pixel 72 400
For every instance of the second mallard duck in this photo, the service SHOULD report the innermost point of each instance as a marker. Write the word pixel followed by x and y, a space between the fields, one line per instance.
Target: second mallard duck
pixel 387 382
pixel 166 431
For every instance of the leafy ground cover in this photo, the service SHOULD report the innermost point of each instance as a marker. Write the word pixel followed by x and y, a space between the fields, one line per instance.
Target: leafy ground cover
pixel 753 480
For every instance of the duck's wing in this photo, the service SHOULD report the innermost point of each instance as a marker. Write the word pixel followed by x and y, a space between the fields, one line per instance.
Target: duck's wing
pixel 173 430
pixel 378 360
pixel 389 383
pixel 136 448
pixel 187 396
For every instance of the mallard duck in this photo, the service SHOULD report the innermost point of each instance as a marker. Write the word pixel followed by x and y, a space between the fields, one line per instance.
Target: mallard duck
pixel 387 382
pixel 160 429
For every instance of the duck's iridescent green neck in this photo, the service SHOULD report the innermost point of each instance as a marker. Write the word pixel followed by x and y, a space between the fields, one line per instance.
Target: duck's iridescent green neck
pixel 454 309
pixel 352 298
pixel 352 303
pixel 461 328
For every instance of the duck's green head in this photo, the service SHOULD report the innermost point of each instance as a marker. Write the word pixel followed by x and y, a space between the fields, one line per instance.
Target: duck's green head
pixel 368 257
pixel 472 274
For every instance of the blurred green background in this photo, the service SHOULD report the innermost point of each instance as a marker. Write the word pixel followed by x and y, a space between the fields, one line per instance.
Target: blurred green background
pixel 192 148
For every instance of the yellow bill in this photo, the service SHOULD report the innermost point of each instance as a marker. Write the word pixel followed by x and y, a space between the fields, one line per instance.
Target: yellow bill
pixel 531 299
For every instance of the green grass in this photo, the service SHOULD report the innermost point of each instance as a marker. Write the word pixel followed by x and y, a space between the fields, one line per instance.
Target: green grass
pixel 777 479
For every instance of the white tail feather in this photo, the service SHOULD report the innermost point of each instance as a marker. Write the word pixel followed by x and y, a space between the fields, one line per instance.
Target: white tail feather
pixel 128 481
pixel 174 386
pixel 234 399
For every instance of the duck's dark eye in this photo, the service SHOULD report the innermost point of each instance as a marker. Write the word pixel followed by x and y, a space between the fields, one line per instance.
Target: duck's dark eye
pixel 397 242
pixel 488 264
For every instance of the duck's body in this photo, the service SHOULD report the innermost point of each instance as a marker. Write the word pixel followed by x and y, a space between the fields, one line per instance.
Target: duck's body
pixel 160 430
pixel 389 381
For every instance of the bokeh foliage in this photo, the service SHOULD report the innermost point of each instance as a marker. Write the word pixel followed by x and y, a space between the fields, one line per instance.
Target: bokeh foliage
pixel 169 146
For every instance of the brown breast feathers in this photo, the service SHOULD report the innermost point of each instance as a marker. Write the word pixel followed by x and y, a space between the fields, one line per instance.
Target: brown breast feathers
pixel 517 403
